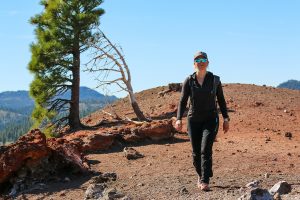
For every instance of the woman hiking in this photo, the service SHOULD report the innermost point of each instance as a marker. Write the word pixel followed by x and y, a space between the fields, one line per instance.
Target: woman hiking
pixel 204 89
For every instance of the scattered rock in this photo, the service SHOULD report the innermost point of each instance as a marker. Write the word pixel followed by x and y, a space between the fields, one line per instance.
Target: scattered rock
pixel 253 184
pixel 13 191
pixel 155 130
pixel 67 179
pixel 267 175
pixel 132 154
pixel 277 196
pixel 95 191
pixel 112 193
pixel 257 194
pixel 288 135
pixel 175 86
pixel 97 142
pixel 257 104
pixel 162 93
pixel 158 130
pixel 172 106
pixel 281 187
pixel 99 190
pixel 103 178
pixel 184 191
pixel 268 139
pixel 62 194
pixel 230 100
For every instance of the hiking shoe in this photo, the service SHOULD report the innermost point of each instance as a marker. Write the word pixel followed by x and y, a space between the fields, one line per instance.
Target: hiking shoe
pixel 204 187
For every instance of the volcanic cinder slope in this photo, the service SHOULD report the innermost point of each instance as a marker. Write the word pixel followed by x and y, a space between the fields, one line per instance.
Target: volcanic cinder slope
pixel 256 145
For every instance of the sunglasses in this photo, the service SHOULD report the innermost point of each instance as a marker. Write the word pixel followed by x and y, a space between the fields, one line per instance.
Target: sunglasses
pixel 199 60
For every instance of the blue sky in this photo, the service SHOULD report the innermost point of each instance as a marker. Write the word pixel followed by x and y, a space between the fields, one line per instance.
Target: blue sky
pixel 255 42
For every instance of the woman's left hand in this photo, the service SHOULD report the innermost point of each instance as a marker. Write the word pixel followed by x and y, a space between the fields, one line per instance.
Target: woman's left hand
pixel 225 126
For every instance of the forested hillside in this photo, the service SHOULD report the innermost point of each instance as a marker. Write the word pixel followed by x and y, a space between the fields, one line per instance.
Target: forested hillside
pixel 16 108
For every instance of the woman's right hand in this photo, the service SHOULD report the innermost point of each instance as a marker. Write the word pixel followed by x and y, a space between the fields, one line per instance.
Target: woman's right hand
pixel 178 125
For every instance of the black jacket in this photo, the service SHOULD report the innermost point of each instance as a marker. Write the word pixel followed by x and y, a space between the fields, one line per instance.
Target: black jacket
pixel 202 99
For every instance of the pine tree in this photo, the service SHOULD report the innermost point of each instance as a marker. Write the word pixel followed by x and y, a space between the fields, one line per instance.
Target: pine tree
pixel 63 30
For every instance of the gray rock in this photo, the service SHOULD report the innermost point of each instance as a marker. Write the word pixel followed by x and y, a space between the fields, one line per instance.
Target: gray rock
pixel 67 179
pixel 281 187
pixel 39 186
pixel 253 184
pixel 257 194
pixel 13 191
pixel 175 87
pixel 131 154
pixel 288 135
pixel 105 177
pixel 95 191
pixel 111 194
pixel 184 191
pixel 277 196
pixel 267 175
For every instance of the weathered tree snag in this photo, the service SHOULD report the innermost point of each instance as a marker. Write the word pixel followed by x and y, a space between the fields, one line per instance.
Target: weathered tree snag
pixel 108 58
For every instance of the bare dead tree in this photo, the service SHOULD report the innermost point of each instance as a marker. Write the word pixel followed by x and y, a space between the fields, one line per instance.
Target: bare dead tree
pixel 109 63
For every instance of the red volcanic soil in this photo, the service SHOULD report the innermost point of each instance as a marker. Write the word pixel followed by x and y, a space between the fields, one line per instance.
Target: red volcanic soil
pixel 256 145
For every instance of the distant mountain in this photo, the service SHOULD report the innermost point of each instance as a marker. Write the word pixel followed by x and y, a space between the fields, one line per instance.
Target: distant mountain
pixel 16 108
pixel 290 84
pixel 20 101
pixel 87 94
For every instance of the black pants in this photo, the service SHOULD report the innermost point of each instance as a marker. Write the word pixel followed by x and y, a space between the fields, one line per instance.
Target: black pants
pixel 202 135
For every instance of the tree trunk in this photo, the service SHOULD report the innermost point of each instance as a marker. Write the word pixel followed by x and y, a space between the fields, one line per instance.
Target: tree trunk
pixel 74 120
pixel 135 106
